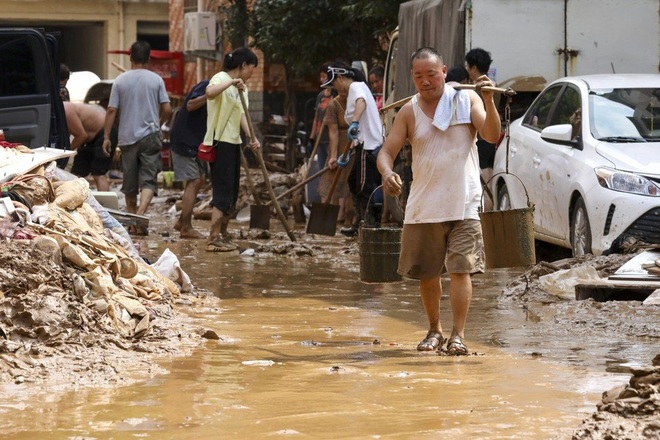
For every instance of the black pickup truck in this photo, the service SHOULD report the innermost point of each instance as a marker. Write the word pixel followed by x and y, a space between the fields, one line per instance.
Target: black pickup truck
pixel 31 111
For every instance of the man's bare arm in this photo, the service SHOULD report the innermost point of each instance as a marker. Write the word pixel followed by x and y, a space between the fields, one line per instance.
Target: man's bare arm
pixel 392 183
pixel 110 115
pixel 165 112
pixel 485 117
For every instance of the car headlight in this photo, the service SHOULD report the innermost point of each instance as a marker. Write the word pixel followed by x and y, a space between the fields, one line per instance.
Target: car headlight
pixel 626 182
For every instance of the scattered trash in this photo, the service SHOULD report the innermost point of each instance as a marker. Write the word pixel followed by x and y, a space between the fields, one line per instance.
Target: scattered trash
pixel 562 283
pixel 259 363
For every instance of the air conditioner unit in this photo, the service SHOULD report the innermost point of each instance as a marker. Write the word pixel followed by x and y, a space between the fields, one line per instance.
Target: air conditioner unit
pixel 199 31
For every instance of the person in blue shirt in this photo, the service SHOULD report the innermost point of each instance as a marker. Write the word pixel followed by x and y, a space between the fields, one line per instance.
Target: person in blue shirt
pixel 186 134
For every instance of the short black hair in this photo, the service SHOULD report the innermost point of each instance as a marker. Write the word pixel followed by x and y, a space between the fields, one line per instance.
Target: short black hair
pixel 140 52
pixel 65 72
pixel 480 59
pixel 378 71
pixel 457 73
pixel 425 52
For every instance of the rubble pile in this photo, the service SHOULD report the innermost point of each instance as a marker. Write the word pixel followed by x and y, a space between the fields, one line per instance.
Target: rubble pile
pixel 67 282
pixel 628 411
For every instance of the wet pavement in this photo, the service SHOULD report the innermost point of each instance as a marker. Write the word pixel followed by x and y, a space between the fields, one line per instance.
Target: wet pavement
pixel 307 350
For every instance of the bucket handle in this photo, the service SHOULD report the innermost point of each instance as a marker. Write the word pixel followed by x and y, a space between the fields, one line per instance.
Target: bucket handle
pixel 481 201
pixel 398 203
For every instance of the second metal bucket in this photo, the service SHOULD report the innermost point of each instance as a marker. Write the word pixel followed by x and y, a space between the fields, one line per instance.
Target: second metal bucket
pixel 509 236
pixel 379 255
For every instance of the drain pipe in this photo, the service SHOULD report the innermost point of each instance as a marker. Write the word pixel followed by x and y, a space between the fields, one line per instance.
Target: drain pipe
pixel 566 38
pixel 200 61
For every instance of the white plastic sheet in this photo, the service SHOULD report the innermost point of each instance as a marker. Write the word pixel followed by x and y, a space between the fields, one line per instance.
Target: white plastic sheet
pixel 562 283
pixel 168 265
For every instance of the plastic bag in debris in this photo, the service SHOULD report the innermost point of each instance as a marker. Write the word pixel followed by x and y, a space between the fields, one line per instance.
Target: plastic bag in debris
pixel 562 283
pixel 168 265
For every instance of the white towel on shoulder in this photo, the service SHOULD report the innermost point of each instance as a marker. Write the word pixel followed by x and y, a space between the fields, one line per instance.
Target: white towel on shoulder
pixel 453 105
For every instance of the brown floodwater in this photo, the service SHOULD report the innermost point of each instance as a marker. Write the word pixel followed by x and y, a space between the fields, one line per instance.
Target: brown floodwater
pixel 308 351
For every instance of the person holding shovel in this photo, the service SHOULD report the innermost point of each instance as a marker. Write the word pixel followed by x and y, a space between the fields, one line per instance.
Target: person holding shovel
pixel 223 130
pixel 337 127
pixel 365 130
pixel 441 230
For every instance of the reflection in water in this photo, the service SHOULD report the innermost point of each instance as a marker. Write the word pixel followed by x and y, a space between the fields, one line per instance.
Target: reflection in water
pixel 307 349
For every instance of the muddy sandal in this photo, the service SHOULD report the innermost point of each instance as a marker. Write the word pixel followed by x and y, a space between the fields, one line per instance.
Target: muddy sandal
pixel 456 347
pixel 433 341
pixel 221 244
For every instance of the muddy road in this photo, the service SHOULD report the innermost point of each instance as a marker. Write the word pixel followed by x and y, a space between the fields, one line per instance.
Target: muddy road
pixel 296 345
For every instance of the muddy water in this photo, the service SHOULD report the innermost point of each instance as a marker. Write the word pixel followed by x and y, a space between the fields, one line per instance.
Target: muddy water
pixel 306 350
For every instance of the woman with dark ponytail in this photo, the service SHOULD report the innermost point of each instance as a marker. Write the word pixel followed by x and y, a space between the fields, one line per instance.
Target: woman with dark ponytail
pixel 365 131
pixel 223 130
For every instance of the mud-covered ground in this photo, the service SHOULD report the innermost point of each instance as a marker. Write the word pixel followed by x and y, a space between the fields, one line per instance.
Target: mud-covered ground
pixel 47 336
pixel 626 412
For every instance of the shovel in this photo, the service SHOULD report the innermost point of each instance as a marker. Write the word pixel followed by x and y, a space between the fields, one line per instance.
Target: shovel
pixel 260 159
pixel 299 185
pixel 323 216
pixel 259 213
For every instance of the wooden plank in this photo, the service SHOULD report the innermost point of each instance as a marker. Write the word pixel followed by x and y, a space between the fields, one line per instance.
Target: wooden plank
pixel 633 269
pixel 15 163
pixel 607 290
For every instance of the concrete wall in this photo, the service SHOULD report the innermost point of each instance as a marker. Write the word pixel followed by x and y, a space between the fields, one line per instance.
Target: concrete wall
pixel 89 28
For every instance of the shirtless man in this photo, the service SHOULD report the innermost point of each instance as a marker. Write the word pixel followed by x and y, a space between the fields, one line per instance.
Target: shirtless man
pixel 85 123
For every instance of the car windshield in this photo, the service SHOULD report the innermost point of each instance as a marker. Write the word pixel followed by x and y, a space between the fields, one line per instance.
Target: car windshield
pixel 625 115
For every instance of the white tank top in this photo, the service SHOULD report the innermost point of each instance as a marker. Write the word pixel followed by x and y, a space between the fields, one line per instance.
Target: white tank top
pixel 445 167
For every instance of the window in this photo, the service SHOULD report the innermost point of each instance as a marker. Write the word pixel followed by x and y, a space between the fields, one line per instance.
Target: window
pixel 17 67
pixel 569 102
pixel 537 117
pixel 625 113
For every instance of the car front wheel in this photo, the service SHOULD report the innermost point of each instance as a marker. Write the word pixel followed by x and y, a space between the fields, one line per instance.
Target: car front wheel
pixel 580 230
pixel 503 200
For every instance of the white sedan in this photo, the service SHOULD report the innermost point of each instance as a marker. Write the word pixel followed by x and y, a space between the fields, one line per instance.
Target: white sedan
pixel 587 151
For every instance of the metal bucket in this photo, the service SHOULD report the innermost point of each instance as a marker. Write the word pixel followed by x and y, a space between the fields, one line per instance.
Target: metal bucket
pixel 379 251
pixel 379 255
pixel 509 236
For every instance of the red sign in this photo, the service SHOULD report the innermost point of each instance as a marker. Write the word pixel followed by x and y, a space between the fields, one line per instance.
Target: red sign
pixel 168 65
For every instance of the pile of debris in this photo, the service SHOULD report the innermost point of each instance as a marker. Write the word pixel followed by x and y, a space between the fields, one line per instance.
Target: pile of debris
pixel 70 278
pixel 627 411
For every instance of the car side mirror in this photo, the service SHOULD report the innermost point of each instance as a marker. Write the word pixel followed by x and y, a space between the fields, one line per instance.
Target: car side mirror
pixel 561 134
